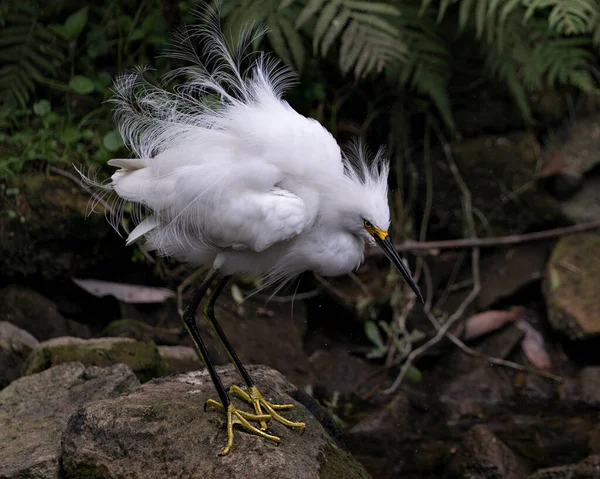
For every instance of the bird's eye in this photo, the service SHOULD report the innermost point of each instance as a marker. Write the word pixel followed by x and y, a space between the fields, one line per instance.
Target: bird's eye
pixel 367 224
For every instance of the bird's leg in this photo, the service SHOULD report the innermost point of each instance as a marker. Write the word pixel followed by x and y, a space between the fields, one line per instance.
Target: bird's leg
pixel 234 415
pixel 252 395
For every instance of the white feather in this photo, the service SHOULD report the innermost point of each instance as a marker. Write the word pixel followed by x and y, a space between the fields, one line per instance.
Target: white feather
pixel 231 176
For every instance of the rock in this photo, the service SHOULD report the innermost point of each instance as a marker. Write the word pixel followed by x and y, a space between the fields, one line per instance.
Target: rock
pixel 50 235
pixel 381 427
pixel 143 358
pixel 34 411
pixel 500 172
pixel 37 314
pixel 467 397
pixel 179 359
pixel 162 431
pixel 482 455
pixel 141 331
pixel 337 371
pixel 508 270
pixel 576 152
pixel 589 378
pixel 584 206
pixel 571 286
pixel 588 468
pixel 15 346
pixel 545 441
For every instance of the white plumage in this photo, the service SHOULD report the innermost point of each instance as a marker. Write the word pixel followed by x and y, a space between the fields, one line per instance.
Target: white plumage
pixel 228 175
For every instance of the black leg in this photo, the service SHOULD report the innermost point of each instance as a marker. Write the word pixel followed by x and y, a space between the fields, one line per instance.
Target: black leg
pixel 252 395
pixel 212 320
pixel 189 321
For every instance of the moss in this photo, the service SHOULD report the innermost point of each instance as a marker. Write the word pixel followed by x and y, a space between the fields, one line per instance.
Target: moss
pixel 142 357
pixel 335 463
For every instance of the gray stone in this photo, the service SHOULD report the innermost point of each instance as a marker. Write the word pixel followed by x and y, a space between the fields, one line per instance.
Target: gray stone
pixel 179 359
pixel 571 286
pixel 34 411
pixel 162 431
pixel 589 379
pixel 482 455
pixel 15 346
pixel 589 468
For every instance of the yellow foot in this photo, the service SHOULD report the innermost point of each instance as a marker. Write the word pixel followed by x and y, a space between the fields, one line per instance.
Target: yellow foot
pixel 235 416
pixel 254 397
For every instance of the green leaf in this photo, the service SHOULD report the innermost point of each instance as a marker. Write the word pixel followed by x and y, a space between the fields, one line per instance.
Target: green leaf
pixel 42 108
pixel 312 7
pixel 75 23
pixel 81 85
pixel 59 30
pixel 294 42
pixel 70 135
pixel 372 332
pixel 413 374
pixel 373 7
pixel 112 141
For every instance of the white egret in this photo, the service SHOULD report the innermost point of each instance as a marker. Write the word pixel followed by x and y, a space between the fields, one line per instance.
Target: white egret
pixel 226 174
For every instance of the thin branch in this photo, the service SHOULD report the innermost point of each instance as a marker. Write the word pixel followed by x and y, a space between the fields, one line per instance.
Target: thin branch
pixel 432 247
pixel 501 362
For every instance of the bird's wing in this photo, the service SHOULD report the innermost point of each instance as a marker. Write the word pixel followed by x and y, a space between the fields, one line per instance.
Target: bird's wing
pixel 257 220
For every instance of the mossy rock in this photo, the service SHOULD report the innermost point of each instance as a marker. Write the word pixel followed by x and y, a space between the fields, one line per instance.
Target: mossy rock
pixel 161 430
pixel 46 231
pixel 571 286
pixel 142 357
pixel 500 172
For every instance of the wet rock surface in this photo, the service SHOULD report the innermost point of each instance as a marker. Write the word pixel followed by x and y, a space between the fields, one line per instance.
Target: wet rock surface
pixel 34 411
pixel 37 314
pixel 162 431
pixel 142 357
pixel 492 167
pixel 571 286
pixel 586 469
pixel 481 455
pixel 15 346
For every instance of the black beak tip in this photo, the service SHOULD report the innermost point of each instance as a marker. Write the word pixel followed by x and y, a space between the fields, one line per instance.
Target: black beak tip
pixel 420 295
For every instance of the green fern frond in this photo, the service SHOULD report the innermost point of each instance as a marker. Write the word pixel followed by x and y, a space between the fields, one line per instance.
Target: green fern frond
pixel 567 17
pixel 279 18
pixel 427 68
pixel 369 39
pixel 25 55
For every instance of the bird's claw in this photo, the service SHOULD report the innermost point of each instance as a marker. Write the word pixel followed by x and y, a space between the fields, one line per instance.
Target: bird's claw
pixel 236 416
pixel 254 397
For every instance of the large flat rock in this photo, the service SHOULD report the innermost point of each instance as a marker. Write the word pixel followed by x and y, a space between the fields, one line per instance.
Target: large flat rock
pixel 162 431
pixel 34 411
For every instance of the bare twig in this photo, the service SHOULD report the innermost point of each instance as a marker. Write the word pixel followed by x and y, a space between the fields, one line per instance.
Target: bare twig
pixel 501 362
pixel 432 247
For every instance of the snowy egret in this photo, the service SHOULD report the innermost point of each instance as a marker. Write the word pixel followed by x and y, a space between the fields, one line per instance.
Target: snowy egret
pixel 226 174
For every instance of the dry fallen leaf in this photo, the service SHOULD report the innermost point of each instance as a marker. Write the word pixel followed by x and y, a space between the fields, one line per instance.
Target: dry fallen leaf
pixel 486 322
pixel 128 293
pixel 534 347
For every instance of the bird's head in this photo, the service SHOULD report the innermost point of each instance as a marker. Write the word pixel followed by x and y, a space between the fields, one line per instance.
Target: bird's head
pixel 369 212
